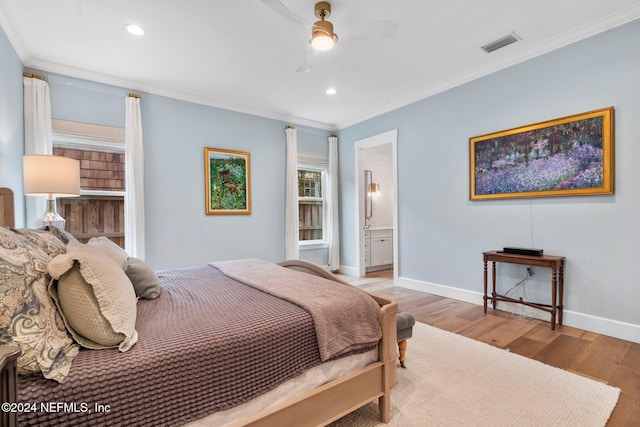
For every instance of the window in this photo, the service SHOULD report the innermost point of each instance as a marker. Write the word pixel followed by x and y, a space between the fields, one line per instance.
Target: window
pixel 311 204
pixel 99 211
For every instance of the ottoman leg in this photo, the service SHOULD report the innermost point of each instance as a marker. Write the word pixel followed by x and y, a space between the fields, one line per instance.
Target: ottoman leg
pixel 402 348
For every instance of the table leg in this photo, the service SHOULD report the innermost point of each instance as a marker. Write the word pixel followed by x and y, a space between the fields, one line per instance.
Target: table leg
pixel 484 298
pixel 554 281
pixel 493 285
pixel 561 293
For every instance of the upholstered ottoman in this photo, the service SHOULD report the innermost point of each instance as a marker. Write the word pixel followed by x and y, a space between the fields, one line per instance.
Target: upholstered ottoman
pixel 405 322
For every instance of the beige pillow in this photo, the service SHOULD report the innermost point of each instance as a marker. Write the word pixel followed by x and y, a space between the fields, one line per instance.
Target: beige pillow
pixel 110 248
pixel 145 281
pixel 95 297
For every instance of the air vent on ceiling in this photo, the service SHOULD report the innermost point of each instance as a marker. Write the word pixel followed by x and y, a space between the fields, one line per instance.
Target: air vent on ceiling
pixel 504 41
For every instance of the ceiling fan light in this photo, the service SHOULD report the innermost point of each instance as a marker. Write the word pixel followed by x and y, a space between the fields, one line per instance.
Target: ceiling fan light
pixel 322 36
pixel 322 42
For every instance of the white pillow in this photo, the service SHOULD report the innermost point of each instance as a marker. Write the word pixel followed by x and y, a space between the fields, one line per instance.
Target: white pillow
pixel 110 248
pixel 95 297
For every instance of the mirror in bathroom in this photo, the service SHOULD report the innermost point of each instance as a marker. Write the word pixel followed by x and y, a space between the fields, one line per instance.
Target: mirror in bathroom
pixel 368 202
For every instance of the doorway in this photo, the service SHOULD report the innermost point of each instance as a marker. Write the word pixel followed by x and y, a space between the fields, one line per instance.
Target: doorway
pixel 386 222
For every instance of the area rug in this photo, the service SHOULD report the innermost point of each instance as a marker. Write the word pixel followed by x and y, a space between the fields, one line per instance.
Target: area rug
pixel 451 380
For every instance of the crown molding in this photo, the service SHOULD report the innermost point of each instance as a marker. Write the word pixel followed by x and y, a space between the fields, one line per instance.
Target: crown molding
pixel 172 93
pixel 7 21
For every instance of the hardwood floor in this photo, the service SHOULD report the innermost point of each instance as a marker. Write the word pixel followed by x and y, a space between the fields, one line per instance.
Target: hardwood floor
pixel 610 360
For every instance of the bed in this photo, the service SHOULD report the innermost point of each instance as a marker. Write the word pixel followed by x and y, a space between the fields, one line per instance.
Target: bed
pixel 173 376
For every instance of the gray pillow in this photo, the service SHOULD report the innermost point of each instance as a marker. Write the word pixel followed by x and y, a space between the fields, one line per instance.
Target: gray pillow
pixel 144 279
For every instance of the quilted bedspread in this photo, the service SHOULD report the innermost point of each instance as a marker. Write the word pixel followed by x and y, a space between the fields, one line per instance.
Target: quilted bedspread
pixel 207 343
pixel 345 317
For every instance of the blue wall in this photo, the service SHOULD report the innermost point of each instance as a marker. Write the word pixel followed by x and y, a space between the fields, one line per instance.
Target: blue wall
pixel 11 124
pixel 178 233
pixel 175 133
pixel 442 234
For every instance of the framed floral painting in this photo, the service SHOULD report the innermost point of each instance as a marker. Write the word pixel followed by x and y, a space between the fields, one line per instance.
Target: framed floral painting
pixel 227 176
pixel 569 156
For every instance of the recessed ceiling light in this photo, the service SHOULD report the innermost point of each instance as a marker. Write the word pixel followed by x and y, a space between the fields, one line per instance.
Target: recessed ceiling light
pixel 134 29
pixel 331 91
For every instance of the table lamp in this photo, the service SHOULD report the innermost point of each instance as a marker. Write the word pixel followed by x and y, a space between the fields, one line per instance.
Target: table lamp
pixel 50 176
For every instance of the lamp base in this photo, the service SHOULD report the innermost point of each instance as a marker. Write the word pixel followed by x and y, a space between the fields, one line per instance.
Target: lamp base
pixel 51 216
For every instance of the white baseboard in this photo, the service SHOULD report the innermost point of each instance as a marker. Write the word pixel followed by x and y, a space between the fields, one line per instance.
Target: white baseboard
pixel 600 325
pixel 351 271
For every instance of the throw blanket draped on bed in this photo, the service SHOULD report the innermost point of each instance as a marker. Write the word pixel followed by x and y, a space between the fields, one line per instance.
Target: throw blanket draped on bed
pixel 345 318
pixel 207 343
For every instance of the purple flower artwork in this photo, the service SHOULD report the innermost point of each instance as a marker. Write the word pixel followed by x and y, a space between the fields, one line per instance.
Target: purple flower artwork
pixel 569 156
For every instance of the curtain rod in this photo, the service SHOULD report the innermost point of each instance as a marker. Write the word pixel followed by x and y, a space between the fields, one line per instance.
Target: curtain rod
pixel 133 95
pixel 34 76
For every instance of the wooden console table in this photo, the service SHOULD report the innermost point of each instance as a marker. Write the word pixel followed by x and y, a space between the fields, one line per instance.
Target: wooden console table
pixel 554 262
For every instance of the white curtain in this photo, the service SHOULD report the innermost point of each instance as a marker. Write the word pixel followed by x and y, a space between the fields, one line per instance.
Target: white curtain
pixel 291 196
pixel 333 225
pixel 37 134
pixel 134 178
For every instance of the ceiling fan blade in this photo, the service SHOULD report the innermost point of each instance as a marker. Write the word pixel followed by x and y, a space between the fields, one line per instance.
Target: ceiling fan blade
pixel 306 65
pixel 284 11
pixel 372 30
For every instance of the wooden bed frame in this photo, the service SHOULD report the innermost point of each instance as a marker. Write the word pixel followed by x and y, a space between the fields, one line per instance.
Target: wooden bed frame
pixel 317 407
pixel 8 387
pixel 7 218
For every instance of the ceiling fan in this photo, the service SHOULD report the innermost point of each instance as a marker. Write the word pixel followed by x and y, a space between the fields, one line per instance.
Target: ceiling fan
pixel 322 36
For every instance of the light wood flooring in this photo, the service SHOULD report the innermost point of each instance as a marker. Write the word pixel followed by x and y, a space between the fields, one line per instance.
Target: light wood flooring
pixel 610 360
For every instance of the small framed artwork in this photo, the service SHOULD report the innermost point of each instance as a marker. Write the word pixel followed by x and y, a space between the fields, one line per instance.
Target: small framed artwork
pixel 227 177
pixel 569 156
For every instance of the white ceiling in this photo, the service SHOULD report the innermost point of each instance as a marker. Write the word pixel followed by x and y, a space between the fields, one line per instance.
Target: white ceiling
pixel 243 56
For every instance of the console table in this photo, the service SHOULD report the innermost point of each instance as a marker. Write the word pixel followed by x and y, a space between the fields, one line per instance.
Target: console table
pixel 554 262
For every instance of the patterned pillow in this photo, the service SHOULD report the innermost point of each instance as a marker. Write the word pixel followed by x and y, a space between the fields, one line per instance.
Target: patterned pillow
pixel 28 317
pixel 44 240
pixel 61 234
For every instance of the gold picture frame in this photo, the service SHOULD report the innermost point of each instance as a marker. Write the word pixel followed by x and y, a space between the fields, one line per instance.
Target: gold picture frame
pixel 569 156
pixel 227 176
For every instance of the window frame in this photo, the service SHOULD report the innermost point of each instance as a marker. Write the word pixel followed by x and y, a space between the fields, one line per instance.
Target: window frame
pixel 324 242
pixel 68 141
pixel 107 201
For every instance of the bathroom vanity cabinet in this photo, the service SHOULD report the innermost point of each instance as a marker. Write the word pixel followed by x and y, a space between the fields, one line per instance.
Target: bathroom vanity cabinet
pixel 378 244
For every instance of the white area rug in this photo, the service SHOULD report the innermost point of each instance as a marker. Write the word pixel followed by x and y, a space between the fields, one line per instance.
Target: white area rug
pixel 451 380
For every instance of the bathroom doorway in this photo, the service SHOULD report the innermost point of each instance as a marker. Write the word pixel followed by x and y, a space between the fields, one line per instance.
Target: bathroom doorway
pixel 377 213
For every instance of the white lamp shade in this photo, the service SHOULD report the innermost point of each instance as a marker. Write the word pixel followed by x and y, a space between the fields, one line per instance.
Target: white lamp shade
pixel 50 176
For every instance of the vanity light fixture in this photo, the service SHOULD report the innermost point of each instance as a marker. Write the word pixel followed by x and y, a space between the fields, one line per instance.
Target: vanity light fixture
pixel 331 91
